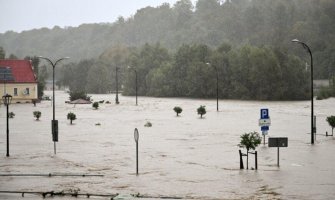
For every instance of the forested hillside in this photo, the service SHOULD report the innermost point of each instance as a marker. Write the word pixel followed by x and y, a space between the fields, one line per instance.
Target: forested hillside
pixel 257 32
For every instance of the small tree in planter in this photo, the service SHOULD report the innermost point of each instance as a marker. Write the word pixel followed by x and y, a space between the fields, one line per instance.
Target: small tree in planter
pixel 95 105
pixel 71 116
pixel 178 110
pixel 37 114
pixel 250 141
pixel 201 111
pixel 331 122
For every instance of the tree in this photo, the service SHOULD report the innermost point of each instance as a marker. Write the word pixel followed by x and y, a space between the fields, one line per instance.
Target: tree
pixel 97 79
pixel 95 105
pixel 2 53
pixel 250 141
pixel 71 116
pixel 331 122
pixel 201 111
pixel 37 114
pixel 178 110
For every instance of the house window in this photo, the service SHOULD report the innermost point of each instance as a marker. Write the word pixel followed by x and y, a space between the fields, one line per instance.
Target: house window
pixel 15 91
pixel 27 91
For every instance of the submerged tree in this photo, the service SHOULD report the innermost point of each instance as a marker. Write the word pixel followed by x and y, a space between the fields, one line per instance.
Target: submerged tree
pixel 178 110
pixel 201 111
pixel 331 122
pixel 95 105
pixel 71 116
pixel 37 114
pixel 250 141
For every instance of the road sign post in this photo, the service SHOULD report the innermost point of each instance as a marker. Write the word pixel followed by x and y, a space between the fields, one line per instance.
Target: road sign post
pixel 264 122
pixel 278 142
pixel 136 137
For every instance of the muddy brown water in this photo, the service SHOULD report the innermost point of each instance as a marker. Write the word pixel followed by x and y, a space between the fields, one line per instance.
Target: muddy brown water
pixel 183 156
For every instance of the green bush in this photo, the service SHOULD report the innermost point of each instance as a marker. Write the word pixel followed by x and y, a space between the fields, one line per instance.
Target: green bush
pixel 201 111
pixel 95 105
pixel 324 93
pixel 331 122
pixel 74 95
pixel 11 115
pixel 37 114
pixel 71 116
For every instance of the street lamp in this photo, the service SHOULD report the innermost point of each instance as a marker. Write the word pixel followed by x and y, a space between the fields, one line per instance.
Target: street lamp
pixel 54 122
pixel 135 81
pixel 7 99
pixel 306 47
pixel 217 85
pixel 117 91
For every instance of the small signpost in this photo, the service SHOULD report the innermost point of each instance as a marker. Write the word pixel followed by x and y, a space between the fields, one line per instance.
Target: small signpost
pixel 264 122
pixel 136 137
pixel 278 142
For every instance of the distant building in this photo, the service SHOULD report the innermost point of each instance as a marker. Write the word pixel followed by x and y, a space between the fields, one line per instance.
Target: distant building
pixel 17 78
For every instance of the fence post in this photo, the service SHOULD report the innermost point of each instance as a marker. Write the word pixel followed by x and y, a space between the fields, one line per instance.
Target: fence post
pixel 256 163
pixel 241 160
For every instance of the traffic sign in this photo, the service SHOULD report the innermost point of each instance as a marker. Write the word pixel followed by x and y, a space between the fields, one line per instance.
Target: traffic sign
pixel 264 113
pixel 264 122
pixel 264 128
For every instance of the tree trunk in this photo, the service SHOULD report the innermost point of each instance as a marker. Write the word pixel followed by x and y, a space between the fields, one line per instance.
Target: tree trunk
pixel 71 121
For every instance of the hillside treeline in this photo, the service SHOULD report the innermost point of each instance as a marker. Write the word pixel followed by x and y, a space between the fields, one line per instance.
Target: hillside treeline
pixel 258 23
pixel 247 72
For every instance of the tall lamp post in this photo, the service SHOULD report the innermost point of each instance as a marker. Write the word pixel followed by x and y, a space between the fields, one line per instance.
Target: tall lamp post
pixel 117 88
pixel 306 47
pixel 135 81
pixel 217 85
pixel 7 98
pixel 54 122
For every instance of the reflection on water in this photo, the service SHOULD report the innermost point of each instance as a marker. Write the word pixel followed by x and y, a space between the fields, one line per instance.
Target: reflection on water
pixel 181 156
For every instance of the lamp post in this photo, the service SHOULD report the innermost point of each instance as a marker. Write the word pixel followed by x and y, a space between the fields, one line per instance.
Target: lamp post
pixel 7 100
pixel 54 122
pixel 117 88
pixel 306 47
pixel 217 86
pixel 135 81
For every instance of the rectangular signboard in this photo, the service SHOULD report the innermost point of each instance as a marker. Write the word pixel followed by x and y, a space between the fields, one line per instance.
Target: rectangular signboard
pixel 278 142
pixel 264 113
pixel 264 122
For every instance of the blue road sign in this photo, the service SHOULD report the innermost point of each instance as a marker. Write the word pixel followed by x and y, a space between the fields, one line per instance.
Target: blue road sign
pixel 264 128
pixel 264 113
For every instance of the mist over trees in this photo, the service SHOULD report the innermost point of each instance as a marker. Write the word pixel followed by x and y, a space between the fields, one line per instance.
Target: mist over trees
pixel 246 72
pixel 249 41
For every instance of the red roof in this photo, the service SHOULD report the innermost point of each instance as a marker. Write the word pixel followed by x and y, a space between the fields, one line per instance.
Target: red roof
pixel 21 69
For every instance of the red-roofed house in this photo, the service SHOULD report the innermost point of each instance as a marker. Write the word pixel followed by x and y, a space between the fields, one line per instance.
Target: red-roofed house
pixel 17 78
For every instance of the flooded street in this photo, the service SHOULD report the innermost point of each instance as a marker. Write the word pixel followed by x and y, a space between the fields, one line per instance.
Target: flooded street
pixel 183 156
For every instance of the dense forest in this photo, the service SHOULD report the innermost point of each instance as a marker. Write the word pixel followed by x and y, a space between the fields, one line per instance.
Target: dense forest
pixel 177 49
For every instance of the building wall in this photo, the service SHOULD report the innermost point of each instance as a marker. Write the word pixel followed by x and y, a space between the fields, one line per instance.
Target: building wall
pixel 21 94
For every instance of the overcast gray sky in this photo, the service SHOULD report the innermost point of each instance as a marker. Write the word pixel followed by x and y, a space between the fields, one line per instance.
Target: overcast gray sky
pixel 19 15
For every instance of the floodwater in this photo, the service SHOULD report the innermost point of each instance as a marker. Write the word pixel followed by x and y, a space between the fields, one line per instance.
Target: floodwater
pixel 179 157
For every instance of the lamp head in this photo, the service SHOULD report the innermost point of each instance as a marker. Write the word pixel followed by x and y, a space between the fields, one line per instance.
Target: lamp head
pixel 7 99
